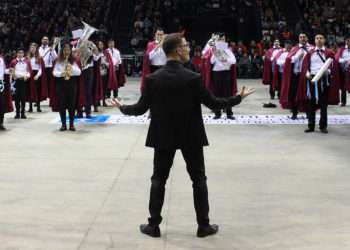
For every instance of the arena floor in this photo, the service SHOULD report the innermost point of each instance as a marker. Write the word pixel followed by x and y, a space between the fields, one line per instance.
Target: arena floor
pixel 271 186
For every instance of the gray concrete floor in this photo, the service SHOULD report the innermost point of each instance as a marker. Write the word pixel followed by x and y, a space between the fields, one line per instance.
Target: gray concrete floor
pixel 271 187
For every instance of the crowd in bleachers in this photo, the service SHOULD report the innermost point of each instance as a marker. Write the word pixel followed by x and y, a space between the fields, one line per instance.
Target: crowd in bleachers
pixel 23 22
pixel 328 17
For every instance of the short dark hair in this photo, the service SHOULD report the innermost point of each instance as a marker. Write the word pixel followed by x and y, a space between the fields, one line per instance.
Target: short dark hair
pixel 171 42
pixel 320 34
pixel 20 49
pixel 158 29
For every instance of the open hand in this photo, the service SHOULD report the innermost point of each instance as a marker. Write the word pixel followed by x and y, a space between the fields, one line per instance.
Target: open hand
pixel 246 91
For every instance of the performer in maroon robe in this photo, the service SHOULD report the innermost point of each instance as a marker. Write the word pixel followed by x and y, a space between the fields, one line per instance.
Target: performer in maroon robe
pixel 114 66
pixel 71 97
pixel 24 83
pixel 39 77
pixel 103 65
pixel 291 75
pixel 207 75
pixel 312 95
pixel 5 93
pixel 342 70
pixel 151 65
pixel 278 64
pixel 268 69
pixel 98 92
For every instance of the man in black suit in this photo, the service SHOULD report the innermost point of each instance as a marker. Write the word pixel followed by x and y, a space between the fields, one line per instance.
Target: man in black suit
pixel 174 96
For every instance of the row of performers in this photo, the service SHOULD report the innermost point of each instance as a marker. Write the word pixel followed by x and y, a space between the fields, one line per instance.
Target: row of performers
pixel 218 66
pixel 62 78
pixel 289 72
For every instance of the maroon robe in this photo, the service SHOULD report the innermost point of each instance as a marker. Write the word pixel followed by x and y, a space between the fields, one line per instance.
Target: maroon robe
pixel 8 95
pixel 112 78
pixel 275 80
pixel 31 96
pixel 333 95
pixel 121 76
pixel 267 70
pixel 98 84
pixel 44 84
pixel 207 68
pixel 146 67
pixel 342 78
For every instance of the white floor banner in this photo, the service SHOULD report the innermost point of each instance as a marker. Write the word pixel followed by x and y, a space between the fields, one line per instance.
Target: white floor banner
pixel 208 119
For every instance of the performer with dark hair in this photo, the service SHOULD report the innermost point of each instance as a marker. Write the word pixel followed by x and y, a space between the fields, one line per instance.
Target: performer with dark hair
pixel 39 77
pixel 174 96
pixel 114 62
pixel 154 57
pixel 103 67
pixel 222 60
pixel 219 70
pixel 66 73
pixel 320 93
pixel 269 68
pixel 49 55
pixel 278 64
pixel 87 68
pixel 291 74
pixel 22 72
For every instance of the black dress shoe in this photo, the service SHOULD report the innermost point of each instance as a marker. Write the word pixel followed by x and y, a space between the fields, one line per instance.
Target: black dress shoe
pixel 30 110
pixel 342 105
pixel 269 105
pixel 207 230
pixel 309 130
pixel 152 231
pixel 72 128
pixel 80 115
pixel 324 130
pixel 88 116
pixel 2 128
pixel 231 117
pixel 38 110
pixel 23 116
pixel 104 104
pixel 294 117
pixel 216 117
pixel 63 128
pixel 17 116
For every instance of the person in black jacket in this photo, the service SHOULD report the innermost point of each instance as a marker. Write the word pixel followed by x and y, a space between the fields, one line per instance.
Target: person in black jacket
pixel 174 96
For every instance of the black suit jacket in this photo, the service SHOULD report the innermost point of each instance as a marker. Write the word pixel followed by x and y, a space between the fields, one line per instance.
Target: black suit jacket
pixel 174 95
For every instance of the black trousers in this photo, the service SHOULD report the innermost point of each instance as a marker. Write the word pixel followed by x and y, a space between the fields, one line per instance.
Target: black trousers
pixel 163 161
pixel 21 95
pixel 322 103
pixel 105 86
pixel 2 106
pixel 222 87
pixel 49 77
pixel 343 96
pixel 293 93
pixel 66 93
pixel 88 76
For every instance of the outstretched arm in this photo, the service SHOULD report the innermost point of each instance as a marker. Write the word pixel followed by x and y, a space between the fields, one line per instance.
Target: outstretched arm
pixel 138 108
pixel 213 102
